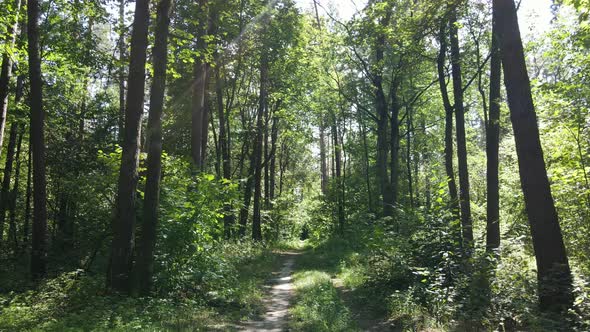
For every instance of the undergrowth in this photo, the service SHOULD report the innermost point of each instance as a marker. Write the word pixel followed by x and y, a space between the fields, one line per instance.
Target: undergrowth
pixel 229 280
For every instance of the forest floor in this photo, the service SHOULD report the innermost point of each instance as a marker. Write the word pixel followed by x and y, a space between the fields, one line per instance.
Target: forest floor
pixel 312 292
pixel 278 300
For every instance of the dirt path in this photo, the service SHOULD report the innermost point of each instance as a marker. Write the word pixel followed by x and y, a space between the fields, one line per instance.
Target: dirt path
pixel 278 300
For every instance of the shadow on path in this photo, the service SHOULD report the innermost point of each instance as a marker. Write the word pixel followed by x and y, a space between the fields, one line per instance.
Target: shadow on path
pixel 278 299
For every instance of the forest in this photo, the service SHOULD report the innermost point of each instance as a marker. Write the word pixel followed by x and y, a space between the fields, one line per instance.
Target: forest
pixel 294 165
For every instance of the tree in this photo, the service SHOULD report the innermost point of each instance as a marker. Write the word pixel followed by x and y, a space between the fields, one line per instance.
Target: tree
pixel 145 261
pixel 464 191
pixel 124 223
pixel 493 145
pixel 37 137
pixel 553 271
pixel 6 68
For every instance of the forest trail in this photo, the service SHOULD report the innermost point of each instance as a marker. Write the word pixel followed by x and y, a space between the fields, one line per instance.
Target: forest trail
pixel 278 299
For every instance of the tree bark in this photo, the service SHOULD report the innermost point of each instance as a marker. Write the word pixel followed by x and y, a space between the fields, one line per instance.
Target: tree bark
pixel 198 94
pixel 7 176
pixel 121 47
pixel 382 117
pixel 28 195
pixel 553 271
pixel 145 261
pixel 228 217
pixel 449 168
pixel 6 70
pixel 37 117
pixel 493 145
pixel 124 225
pixel 464 192
pixel 262 108
pixel 12 234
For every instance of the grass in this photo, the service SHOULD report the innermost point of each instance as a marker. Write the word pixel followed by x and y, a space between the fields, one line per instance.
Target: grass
pixel 76 301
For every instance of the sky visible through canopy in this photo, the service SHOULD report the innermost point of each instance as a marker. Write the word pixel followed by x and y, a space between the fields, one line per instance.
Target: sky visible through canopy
pixel 534 15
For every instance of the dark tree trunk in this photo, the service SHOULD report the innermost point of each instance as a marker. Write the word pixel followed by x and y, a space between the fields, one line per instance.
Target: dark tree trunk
pixel 228 217
pixel 145 260
pixel 6 70
pixel 449 168
pixel 409 155
pixel 464 192
pixel 493 145
pixel 553 271
pixel 395 139
pixel 14 194
pixel 198 96
pixel 339 184
pixel 323 163
pixel 124 224
pixel 37 116
pixel 274 136
pixel 206 117
pixel 5 191
pixel 121 47
pixel 258 153
pixel 28 195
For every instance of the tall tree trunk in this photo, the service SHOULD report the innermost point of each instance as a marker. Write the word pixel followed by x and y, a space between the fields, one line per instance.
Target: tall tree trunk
pixel 395 139
pixel 553 271
pixel 37 116
pixel 449 168
pixel 464 192
pixel 124 225
pixel 145 260
pixel 121 49
pixel 493 145
pixel 263 105
pixel 409 155
pixel 228 217
pixel 5 191
pixel 323 163
pixel 6 70
pixel 29 192
pixel 198 94
pixel 382 117
pixel 274 136
pixel 12 231
pixel 206 117
pixel 338 166
pixel 266 155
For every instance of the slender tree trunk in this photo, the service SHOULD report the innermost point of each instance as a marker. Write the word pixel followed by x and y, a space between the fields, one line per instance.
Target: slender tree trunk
pixel 145 261
pixel 6 70
pixel 12 232
pixel 266 155
pixel 124 225
pixel 121 47
pixel 198 97
pixel 449 168
pixel 37 116
pixel 367 165
pixel 395 139
pixel 228 217
pixel 206 118
pixel 338 166
pixel 5 191
pixel 323 163
pixel 464 193
pixel 274 136
pixel 382 117
pixel 493 145
pixel 28 195
pixel 553 271
pixel 256 221
pixel 409 156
